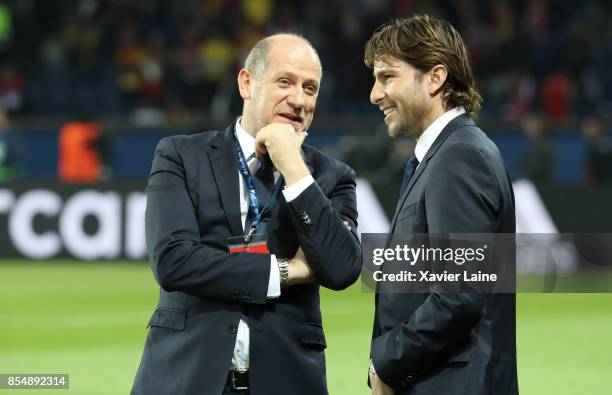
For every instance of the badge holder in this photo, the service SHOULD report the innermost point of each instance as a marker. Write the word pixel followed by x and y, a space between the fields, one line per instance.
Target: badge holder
pixel 256 243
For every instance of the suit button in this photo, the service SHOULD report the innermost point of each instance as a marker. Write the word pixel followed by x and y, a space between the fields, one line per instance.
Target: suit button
pixel 232 329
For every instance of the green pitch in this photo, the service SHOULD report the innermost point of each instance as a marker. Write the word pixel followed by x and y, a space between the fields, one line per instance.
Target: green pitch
pixel 89 320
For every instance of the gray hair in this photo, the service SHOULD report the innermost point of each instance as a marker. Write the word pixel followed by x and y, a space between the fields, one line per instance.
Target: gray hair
pixel 257 60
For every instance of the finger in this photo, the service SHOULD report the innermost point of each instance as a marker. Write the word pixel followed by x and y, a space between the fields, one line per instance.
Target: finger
pixel 283 127
pixel 260 149
pixel 301 136
pixel 260 143
pixel 309 270
pixel 300 254
pixel 346 224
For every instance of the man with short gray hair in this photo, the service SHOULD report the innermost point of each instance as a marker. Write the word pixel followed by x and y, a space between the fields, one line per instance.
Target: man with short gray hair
pixel 242 227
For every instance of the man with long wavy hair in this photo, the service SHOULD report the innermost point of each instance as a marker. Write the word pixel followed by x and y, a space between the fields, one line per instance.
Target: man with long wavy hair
pixel 456 182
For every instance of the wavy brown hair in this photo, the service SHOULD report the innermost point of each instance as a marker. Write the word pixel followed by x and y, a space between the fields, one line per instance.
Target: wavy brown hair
pixel 424 42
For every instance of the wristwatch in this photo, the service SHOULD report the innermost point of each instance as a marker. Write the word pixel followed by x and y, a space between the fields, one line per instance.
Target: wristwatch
pixel 283 269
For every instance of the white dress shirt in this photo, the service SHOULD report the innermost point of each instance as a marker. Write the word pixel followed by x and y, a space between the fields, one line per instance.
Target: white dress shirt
pixel 433 131
pixel 240 358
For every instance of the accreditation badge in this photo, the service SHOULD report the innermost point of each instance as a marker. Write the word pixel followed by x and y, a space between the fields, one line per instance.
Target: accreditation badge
pixel 255 244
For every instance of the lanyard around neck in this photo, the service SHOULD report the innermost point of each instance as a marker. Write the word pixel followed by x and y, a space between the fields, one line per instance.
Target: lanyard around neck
pixel 250 184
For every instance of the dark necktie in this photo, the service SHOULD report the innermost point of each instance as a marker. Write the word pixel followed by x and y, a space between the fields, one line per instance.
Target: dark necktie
pixel 264 183
pixel 265 174
pixel 411 166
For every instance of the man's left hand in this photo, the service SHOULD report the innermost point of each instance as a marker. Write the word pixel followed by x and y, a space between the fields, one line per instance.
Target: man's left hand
pixel 283 144
pixel 379 387
pixel 299 270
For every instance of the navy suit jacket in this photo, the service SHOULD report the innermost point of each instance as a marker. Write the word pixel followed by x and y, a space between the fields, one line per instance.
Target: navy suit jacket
pixel 451 343
pixel 193 206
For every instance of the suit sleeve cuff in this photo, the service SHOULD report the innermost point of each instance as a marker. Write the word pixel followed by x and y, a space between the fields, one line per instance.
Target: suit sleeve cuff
pixel 274 289
pixel 296 189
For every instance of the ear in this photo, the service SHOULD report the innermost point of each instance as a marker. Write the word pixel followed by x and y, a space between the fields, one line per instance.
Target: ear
pixel 437 78
pixel 245 82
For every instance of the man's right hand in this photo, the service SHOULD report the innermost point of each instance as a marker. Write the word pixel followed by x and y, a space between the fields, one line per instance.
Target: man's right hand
pixel 299 271
pixel 379 387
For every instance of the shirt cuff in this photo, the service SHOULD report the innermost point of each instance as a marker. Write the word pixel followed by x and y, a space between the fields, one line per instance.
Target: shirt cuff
pixel 296 189
pixel 274 288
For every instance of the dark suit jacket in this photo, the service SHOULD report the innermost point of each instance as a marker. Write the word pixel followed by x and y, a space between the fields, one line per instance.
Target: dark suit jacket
pixel 192 208
pixel 451 343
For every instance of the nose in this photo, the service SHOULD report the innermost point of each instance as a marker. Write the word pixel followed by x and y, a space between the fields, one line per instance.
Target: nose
pixel 377 93
pixel 297 99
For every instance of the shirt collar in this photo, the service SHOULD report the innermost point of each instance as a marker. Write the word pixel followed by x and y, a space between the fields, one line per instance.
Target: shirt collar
pixel 433 131
pixel 246 141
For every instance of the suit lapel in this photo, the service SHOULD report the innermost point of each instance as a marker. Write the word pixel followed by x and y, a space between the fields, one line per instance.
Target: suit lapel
pixel 459 121
pixel 402 198
pixel 225 170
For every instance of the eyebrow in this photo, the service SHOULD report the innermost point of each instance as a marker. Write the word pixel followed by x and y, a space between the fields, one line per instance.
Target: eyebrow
pixel 381 71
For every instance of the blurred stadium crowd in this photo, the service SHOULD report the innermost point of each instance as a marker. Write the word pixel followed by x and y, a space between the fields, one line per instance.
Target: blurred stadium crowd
pixel 171 59
pixel 542 67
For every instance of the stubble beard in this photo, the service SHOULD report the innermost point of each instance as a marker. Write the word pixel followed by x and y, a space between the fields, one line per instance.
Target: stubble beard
pixel 411 114
pixel 410 121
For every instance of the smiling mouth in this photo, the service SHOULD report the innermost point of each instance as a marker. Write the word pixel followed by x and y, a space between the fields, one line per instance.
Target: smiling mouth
pixel 291 117
pixel 387 110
